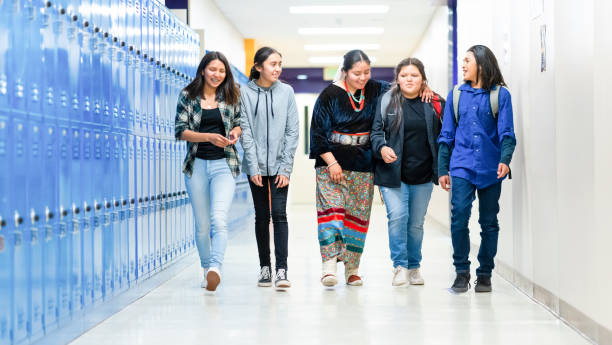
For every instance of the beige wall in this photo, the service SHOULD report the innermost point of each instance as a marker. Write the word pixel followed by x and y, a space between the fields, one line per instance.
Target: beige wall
pixel 555 227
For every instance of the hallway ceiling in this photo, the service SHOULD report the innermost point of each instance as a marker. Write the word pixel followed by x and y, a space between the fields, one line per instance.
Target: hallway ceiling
pixel 270 23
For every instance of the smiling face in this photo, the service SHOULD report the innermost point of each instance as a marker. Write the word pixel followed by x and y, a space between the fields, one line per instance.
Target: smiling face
pixel 410 81
pixel 470 68
pixel 270 70
pixel 358 75
pixel 214 74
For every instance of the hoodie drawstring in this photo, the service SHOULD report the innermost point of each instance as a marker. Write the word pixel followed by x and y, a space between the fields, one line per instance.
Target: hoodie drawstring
pixel 272 103
pixel 257 104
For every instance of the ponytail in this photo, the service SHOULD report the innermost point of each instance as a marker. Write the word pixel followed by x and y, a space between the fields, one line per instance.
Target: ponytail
pixel 254 73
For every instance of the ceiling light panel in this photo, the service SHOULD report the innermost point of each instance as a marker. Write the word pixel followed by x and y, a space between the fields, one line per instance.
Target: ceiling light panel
pixel 341 47
pixel 332 59
pixel 370 30
pixel 352 9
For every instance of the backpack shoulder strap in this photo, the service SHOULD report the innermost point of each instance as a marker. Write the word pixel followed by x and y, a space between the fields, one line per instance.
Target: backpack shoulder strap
pixel 456 95
pixel 494 100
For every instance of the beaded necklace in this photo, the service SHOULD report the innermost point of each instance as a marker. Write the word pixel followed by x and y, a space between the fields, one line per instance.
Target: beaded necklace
pixel 361 99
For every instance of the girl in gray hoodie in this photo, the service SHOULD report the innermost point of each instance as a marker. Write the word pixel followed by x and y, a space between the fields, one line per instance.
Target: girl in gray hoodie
pixel 270 128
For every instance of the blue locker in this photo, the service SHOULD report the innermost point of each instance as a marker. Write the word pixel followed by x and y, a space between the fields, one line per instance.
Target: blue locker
pixel 143 219
pixel 64 226
pixel 132 225
pixel 171 191
pixel 5 30
pixel 151 202
pixel 6 251
pixel 36 195
pixel 107 228
pixel 115 177
pixel 76 279
pixel 50 243
pixel 184 204
pixel 87 170
pixel 16 58
pixel 124 180
pixel 158 204
pixel 163 209
pixel 118 84
pixel 19 172
pixel 98 215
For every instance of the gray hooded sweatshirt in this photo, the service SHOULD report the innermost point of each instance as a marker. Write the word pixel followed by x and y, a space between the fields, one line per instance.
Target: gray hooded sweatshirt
pixel 270 129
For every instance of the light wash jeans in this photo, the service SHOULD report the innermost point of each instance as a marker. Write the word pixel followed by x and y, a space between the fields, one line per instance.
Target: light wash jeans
pixel 211 190
pixel 406 209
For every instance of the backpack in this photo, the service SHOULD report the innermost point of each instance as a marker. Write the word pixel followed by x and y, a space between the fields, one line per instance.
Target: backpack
pixel 493 99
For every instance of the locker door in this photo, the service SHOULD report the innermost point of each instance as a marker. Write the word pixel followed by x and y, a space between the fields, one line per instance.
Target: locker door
pixel 5 32
pixel 77 220
pixel 87 170
pixel 172 198
pixel 108 249
pixel 62 75
pixel 124 179
pixel 49 52
pixel 63 273
pixel 19 214
pixel 6 251
pixel 143 199
pixel 116 210
pixel 50 243
pixel 36 195
pixel 184 204
pixel 132 226
pixel 139 219
pixel 163 209
pixel 88 87
pixel 151 203
pixel 97 219
pixel 158 200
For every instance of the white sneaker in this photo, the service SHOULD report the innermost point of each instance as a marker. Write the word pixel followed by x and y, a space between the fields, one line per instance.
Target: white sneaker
pixel 399 276
pixel 329 272
pixel 213 278
pixel 203 283
pixel 414 276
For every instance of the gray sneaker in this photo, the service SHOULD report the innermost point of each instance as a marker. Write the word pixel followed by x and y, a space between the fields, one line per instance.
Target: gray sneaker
pixel 414 276
pixel 265 278
pixel 281 281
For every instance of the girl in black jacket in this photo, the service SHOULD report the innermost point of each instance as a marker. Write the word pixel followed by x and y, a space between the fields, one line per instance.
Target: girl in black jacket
pixel 404 141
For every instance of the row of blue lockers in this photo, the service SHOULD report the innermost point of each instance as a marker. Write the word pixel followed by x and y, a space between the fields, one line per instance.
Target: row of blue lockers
pixel 92 197
pixel 112 62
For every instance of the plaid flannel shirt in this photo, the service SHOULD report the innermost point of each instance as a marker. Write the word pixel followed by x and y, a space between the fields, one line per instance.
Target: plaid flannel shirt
pixel 189 116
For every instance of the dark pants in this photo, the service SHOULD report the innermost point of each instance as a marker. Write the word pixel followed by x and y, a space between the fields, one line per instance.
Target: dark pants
pixel 462 196
pixel 261 200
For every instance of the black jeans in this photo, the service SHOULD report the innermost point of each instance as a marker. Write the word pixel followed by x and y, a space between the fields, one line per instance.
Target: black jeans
pixel 261 200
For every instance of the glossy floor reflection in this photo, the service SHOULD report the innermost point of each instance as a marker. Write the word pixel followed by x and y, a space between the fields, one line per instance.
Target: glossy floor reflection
pixel 180 312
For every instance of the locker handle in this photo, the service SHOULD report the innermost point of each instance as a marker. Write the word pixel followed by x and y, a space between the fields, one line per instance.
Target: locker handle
pixel 75 18
pixel 139 200
pixel 116 203
pixel 131 48
pixel 122 44
pixel 146 199
pixel 62 11
pixel 48 4
pixel 76 210
pixel 151 59
pixel 157 63
pixel 64 213
pixel 145 56
pixel 96 29
pixel 18 220
pixel 35 218
pixel 87 208
pixel 107 204
pixel 124 202
pixel 138 52
pixel 98 206
pixel 115 39
pixel 106 35
pixel 86 24
pixel 163 65
pixel 50 215
pixel 132 201
pixel 2 223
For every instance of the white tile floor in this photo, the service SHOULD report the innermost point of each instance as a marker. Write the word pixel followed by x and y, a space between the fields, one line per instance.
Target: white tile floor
pixel 180 312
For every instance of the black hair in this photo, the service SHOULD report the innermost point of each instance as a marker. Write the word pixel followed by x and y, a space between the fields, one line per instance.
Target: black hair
pixel 261 56
pixel 227 90
pixel 397 98
pixel 488 69
pixel 352 57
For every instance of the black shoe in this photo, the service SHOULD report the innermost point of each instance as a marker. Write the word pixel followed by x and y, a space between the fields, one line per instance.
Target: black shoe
pixel 483 284
pixel 265 277
pixel 462 282
pixel 281 281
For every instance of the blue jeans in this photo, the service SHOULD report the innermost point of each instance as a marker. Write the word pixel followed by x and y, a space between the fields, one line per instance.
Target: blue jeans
pixel 462 196
pixel 406 209
pixel 211 190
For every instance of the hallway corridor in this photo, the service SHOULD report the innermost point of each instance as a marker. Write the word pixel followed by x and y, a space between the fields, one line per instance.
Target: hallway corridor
pixel 179 312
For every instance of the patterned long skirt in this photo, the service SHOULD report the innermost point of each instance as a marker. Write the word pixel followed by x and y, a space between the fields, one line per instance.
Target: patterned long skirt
pixel 343 211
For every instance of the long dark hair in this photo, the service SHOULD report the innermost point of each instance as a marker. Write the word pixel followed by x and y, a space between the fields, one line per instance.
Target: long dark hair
pixel 227 91
pixel 397 98
pixel 352 57
pixel 488 69
pixel 261 56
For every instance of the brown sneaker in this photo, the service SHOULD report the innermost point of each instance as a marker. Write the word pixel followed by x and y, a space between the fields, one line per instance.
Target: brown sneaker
pixel 213 278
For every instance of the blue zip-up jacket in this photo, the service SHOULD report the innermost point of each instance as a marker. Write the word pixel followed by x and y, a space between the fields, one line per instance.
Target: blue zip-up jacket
pixel 476 141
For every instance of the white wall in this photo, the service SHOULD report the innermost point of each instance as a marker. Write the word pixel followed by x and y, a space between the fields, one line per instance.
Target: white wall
pixel 219 33
pixel 555 224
